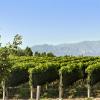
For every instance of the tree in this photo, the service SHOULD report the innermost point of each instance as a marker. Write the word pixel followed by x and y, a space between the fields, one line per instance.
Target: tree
pixel 17 41
pixel 5 67
pixel 50 54
pixel 20 52
pixel 43 54
pixel 14 46
pixel 37 54
pixel 4 62
pixel 28 51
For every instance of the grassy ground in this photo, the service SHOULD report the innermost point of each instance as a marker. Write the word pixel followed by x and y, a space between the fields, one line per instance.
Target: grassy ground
pixel 58 99
pixel 73 99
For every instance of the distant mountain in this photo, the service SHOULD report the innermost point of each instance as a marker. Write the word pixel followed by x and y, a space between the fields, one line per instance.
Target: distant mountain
pixel 86 48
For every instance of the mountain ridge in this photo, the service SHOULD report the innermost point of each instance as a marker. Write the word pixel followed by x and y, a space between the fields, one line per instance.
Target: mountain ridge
pixel 86 48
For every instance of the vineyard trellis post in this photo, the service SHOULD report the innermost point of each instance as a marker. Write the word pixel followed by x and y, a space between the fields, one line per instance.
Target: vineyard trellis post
pixel 4 89
pixel 60 86
pixel 88 87
pixel 38 92
pixel 31 85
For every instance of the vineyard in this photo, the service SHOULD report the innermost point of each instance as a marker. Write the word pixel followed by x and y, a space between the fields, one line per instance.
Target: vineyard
pixel 59 72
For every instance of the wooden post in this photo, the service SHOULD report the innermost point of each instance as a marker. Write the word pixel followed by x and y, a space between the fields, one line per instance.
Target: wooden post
pixel 60 86
pixel 4 89
pixel 88 87
pixel 31 94
pixel 46 86
pixel 88 91
pixel 31 86
pixel 38 93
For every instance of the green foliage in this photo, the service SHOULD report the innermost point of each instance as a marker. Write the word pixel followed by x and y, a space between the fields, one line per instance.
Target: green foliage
pixel 37 54
pixel 94 73
pixel 5 65
pixel 44 54
pixel 28 52
pixel 44 73
pixel 14 48
pixel 17 41
pixel 71 73
pixel 50 54
pixel 46 69
pixel 19 74
pixel 24 93
pixel 19 52
pixel 17 77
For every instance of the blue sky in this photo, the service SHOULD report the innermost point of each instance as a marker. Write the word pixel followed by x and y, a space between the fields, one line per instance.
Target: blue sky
pixel 50 21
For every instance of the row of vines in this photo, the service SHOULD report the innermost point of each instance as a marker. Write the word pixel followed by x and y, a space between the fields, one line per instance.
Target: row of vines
pixel 42 70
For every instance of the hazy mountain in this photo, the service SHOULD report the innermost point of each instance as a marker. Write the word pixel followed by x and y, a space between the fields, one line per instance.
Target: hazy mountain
pixel 90 48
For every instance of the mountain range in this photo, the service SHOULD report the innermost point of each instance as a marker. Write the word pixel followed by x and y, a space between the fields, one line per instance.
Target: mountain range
pixel 86 48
